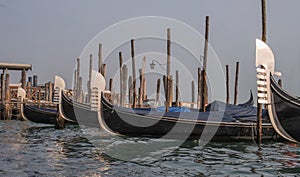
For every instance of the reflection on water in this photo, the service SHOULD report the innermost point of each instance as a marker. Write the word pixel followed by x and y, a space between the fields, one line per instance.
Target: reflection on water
pixel 29 149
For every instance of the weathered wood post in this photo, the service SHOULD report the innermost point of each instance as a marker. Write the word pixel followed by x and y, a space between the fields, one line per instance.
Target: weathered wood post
pixel 50 91
pixel 7 97
pixel 79 85
pixel 111 85
pixel 80 92
pixel 227 84
pixel 90 79
pixel 144 91
pixel 236 83
pixel 259 106
pixel 124 84
pixel 104 70
pixel 39 95
pixel 157 90
pixel 46 92
pixel 264 21
pixel 75 89
pixel 139 97
pixel 2 87
pixel 199 95
pixel 130 91
pixel 141 88
pixel 165 84
pixel 193 94
pixel 177 88
pixel 23 78
pixel 133 74
pixel 204 97
pixel 121 77
pixel 171 90
pixel 168 99
pixel 3 84
pixel 100 55
pixel 2 92
pixel 203 91
pixel 35 81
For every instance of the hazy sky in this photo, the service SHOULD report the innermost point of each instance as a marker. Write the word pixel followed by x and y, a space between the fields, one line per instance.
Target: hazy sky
pixel 51 34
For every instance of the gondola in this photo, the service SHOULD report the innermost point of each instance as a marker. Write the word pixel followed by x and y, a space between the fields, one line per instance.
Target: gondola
pixel 178 125
pixel 283 107
pixel 78 112
pixel 39 115
pixel 36 114
pixel 70 110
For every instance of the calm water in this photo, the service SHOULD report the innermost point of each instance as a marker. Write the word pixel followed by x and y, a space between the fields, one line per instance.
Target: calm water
pixel 29 149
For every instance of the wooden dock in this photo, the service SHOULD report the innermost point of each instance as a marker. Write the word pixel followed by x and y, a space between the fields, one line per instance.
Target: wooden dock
pixel 39 94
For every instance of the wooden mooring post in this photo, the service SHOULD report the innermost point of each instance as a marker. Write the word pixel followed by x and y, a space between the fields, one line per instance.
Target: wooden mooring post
pixel 227 84
pixel 259 106
pixel 130 91
pixel 141 89
pixel 204 94
pixel 177 89
pixel 48 91
pixel 133 74
pixel 203 91
pixel 124 84
pixel 170 90
pixel 168 79
pixel 75 80
pixel 199 96
pixel 144 89
pixel 193 94
pixel 100 62
pixel 157 90
pixel 104 70
pixel 121 78
pixel 89 84
pixel 111 85
pixel 7 97
pixel 142 95
pixel 79 85
pixel 80 92
pixel 236 83
pixel 2 88
pixel 23 78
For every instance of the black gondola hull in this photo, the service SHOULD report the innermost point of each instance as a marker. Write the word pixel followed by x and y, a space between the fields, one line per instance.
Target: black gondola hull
pixel 78 112
pixel 285 111
pixel 131 124
pixel 39 116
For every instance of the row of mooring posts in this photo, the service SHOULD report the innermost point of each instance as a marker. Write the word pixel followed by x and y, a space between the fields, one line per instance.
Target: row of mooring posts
pixel 136 96
pixel 78 94
pixel 235 84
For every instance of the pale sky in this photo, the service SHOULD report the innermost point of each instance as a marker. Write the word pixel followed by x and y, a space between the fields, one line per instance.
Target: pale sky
pixel 51 34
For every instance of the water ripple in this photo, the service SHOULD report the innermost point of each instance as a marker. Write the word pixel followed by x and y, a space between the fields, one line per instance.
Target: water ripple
pixel 29 149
